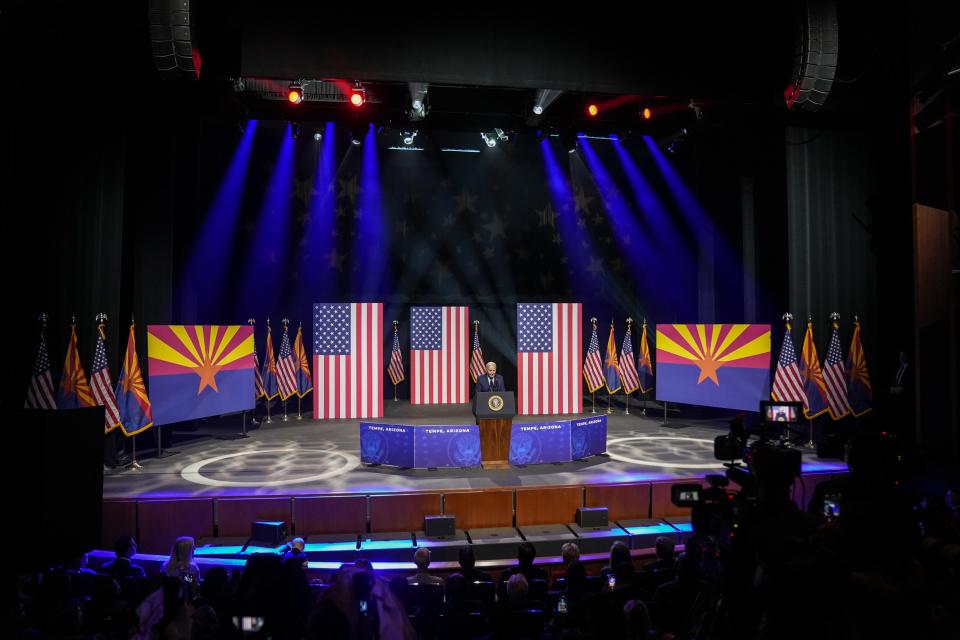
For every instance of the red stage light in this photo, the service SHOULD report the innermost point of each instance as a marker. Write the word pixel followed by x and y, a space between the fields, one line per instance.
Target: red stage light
pixel 295 94
pixel 356 97
pixel 593 109
pixel 646 113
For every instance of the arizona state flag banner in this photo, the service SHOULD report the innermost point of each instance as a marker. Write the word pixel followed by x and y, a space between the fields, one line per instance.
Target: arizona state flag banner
pixel 74 391
pixel 136 414
pixel 859 390
pixel 714 365
pixel 304 379
pixel 199 370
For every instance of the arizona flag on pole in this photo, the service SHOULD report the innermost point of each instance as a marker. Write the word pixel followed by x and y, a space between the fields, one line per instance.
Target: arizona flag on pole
pixel 859 390
pixel 136 414
pixel 100 380
pixel 269 372
pixel 257 377
pixel 814 386
pixel 304 379
pixel 197 371
pixel 715 365
pixel 74 391
pixel 645 370
pixel 628 366
pixel 611 367
pixel 40 393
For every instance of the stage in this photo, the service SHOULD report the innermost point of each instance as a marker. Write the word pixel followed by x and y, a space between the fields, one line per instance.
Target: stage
pixel 310 457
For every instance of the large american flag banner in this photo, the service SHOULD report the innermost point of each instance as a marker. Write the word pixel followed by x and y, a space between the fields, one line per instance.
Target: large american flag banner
pixel 548 358
pixel 348 360
pixel 835 376
pixel 787 381
pixel 438 355
pixel 40 393
pixel 102 385
pixel 286 367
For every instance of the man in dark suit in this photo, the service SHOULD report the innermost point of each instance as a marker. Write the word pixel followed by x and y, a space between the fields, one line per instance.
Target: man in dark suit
pixel 492 381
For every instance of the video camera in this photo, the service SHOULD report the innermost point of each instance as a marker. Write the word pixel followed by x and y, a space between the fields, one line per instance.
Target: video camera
pixel 751 463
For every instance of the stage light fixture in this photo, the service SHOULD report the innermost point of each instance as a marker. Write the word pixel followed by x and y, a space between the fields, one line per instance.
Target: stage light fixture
pixel 317 135
pixel 544 99
pixel 569 141
pixel 357 96
pixel 489 138
pixel 418 100
pixel 646 113
pixel 356 137
pixel 501 136
pixel 538 109
pixel 295 94
pixel 409 136
pixel 593 110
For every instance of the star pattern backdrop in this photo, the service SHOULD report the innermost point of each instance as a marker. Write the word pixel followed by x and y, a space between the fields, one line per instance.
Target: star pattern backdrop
pixel 524 222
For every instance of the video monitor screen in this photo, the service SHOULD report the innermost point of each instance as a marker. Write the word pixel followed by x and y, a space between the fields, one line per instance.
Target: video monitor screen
pixel 788 412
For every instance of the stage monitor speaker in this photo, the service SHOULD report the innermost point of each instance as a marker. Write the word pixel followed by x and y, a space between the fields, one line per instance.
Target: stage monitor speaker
pixel 588 517
pixel 437 526
pixel 171 37
pixel 815 56
pixel 268 532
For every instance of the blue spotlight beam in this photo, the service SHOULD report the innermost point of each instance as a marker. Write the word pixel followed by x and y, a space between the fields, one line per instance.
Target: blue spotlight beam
pixel 319 240
pixel 206 270
pixel 264 277
pixel 631 238
pixel 715 255
pixel 576 243
pixel 371 246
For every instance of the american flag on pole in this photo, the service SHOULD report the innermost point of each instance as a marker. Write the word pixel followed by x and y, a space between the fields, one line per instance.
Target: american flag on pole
pixel 438 355
pixel 628 365
pixel 477 365
pixel 549 352
pixel 286 367
pixel 100 381
pixel 787 381
pixel 348 360
pixel 395 368
pixel 40 392
pixel 834 374
pixel 593 365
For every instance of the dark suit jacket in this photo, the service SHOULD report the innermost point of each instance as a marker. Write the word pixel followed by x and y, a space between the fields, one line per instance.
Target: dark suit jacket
pixel 483 383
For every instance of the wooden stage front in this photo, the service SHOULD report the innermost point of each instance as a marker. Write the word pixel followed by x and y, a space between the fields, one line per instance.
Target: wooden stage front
pixel 308 473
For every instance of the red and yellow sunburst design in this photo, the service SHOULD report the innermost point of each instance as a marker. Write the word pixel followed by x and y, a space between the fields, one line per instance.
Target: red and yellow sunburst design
pixel 204 350
pixel 74 388
pixel 712 346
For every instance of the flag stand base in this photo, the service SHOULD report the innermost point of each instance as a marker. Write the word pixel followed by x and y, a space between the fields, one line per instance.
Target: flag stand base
pixel 609 407
pixel 593 399
pixel 810 443
pixel 136 466
pixel 627 410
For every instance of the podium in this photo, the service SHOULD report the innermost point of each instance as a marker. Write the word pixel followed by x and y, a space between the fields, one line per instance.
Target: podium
pixel 494 411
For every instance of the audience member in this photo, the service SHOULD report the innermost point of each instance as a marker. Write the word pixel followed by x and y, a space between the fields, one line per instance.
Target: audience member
pixel 569 552
pixel 296 552
pixel 526 554
pixel 181 564
pixel 421 558
pixel 123 566
pixel 621 567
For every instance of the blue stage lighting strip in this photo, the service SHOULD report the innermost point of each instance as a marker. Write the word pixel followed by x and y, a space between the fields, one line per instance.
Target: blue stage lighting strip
pixel 450 150
pixel 648 530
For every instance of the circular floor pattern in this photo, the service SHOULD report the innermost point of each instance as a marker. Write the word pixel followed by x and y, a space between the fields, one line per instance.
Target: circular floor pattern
pixel 192 473
pixel 669 456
